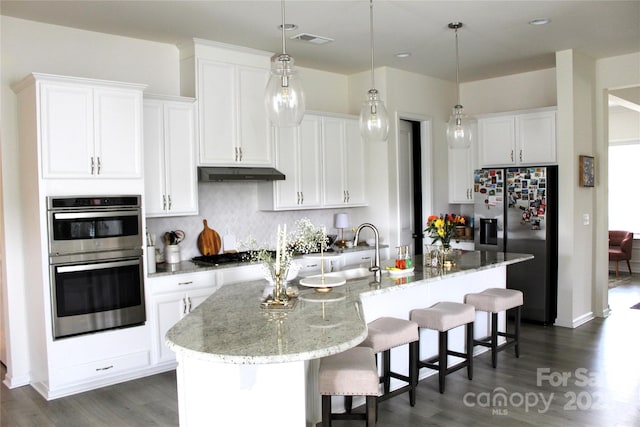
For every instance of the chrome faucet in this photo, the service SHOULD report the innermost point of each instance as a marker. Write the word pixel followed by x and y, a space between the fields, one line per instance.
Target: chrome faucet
pixel 375 268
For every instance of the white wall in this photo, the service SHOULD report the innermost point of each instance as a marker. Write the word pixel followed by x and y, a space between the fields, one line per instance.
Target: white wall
pixel 624 126
pixel 534 89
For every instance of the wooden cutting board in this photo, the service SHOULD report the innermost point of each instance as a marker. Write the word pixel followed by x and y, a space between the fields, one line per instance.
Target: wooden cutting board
pixel 209 242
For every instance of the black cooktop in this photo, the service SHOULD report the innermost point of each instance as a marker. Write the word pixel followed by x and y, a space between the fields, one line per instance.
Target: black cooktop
pixel 225 258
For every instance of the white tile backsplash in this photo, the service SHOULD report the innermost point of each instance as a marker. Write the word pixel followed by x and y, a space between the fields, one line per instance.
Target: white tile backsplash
pixel 233 207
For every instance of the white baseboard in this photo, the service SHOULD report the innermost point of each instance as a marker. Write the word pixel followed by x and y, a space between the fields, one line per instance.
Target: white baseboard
pixel 13 382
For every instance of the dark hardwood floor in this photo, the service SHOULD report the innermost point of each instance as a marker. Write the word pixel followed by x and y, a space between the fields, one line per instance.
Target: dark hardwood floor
pixel 588 376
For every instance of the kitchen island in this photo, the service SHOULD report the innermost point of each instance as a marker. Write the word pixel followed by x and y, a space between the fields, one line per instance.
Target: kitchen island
pixel 239 364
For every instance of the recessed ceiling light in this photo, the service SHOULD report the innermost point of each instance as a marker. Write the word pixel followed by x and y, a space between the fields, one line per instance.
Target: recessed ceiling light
pixel 403 55
pixel 287 27
pixel 539 21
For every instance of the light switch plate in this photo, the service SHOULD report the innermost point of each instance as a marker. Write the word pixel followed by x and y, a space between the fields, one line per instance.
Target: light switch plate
pixel 585 219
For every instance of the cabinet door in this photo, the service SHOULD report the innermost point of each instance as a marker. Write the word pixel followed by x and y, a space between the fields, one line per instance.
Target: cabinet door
pixel 169 309
pixel 333 162
pixel 354 164
pixel 537 138
pixel 216 94
pixel 497 136
pixel 309 162
pixel 287 193
pixel 181 173
pixel 66 114
pixel 154 162
pixel 118 132
pixel 254 129
pixel 460 175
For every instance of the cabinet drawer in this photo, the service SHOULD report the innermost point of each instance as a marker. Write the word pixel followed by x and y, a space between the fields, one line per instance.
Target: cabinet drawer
pixel 99 369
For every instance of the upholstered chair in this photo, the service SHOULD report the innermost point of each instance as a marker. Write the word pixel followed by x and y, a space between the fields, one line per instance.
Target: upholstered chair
pixel 620 245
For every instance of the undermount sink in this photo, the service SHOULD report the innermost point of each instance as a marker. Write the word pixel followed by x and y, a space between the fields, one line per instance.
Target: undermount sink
pixel 349 274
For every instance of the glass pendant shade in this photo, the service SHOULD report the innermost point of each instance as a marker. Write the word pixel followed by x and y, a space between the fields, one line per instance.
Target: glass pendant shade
pixel 284 98
pixel 374 119
pixel 459 129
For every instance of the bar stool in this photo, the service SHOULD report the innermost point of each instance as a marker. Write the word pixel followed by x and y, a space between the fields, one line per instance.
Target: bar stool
pixel 443 317
pixel 384 334
pixel 494 301
pixel 350 373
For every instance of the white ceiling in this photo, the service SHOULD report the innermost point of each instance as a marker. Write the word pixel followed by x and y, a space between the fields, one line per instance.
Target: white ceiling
pixel 496 39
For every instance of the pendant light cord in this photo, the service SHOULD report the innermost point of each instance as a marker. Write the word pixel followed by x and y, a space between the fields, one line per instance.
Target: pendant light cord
pixel 457 69
pixel 284 51
pixel 371 39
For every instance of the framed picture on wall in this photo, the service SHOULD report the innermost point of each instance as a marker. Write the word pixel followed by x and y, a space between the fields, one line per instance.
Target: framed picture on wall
pixel 587 171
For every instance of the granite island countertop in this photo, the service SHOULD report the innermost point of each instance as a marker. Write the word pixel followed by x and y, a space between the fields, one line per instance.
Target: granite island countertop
pixel 231 327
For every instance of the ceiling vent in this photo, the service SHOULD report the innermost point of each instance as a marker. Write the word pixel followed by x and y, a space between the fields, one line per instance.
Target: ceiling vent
pixel 311 38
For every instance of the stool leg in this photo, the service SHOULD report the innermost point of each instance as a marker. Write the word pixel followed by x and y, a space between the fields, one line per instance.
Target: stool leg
pixel 517 332
pixel 414 349
pixel 348 403
pixel 494 339
pixel 470 350
pixel 442 358
pixel 386 368
pixel 326 411
pixel 371 411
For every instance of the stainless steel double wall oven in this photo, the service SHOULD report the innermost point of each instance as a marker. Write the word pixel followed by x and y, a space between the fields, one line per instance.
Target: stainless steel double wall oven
pixel 96 264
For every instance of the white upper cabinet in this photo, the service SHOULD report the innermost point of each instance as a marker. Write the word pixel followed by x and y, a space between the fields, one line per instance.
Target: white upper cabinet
pixel 343 163
pixel 298 158
pixel 171 186
pixel 90 130
pixel 233 124
pixel 524 138
pixel 461 166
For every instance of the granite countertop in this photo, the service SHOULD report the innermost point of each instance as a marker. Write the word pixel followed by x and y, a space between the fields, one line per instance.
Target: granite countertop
pixel 231 327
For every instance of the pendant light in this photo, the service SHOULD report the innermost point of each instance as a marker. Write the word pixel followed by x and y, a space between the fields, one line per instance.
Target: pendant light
pixel 284 98
pixel 459 126
pixel 374 120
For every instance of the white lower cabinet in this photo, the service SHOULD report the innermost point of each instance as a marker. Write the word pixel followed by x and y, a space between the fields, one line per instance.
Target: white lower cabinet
pixel 171 298
pixel 169 309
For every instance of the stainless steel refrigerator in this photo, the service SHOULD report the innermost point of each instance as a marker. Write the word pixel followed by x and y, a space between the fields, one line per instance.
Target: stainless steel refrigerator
pixel 516 210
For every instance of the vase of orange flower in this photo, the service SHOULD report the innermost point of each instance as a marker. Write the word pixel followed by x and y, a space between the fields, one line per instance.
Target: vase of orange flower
pixel 442 229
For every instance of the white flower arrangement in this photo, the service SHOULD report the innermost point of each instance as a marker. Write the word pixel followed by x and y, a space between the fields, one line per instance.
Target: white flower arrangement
pixel 306 238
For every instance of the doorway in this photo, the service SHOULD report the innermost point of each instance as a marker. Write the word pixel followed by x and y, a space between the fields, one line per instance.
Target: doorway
pixel 414 181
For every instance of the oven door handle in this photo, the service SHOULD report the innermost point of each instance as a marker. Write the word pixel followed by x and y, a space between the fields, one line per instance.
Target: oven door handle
pixel 98 266
pixel 81 215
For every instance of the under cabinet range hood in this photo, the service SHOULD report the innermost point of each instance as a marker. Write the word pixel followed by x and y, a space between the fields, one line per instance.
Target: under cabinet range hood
pixel 223 173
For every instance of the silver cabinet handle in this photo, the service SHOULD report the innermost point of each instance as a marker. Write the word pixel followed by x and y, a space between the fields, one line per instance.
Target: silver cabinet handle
pixel 93 165
pixel 348 196
pixel 521 155
pixel 99 165
pixel 236 154
pixel 169 197
pixel 184 306
pixel 185 283
pixel 105 368
pixel 301 198
pixel 240 154
pixel 164 202
pixel 512 155
pixel 188 305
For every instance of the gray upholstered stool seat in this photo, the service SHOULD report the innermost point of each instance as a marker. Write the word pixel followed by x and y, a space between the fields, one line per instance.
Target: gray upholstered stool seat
pixel 350 373
pixel 384 334
pixel 494 301
pixel 442 317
